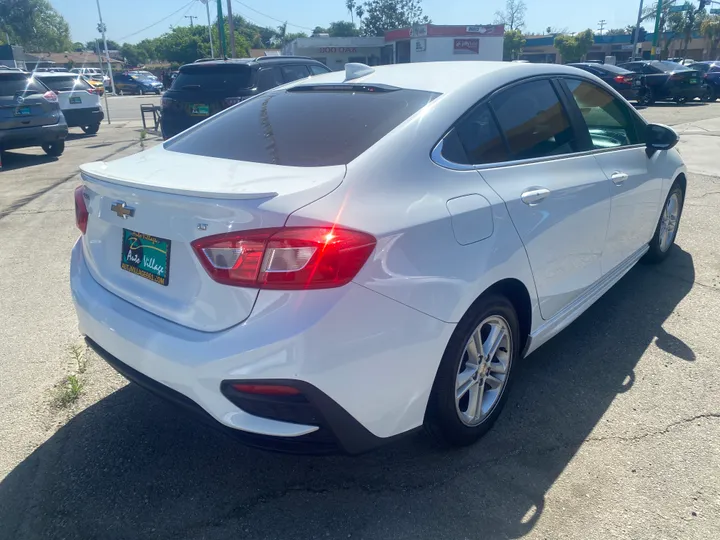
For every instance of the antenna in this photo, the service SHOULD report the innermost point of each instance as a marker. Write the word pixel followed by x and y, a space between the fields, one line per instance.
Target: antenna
pixel 355 70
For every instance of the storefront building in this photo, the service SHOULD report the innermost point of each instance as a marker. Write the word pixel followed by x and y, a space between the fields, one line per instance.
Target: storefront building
pixel 422 43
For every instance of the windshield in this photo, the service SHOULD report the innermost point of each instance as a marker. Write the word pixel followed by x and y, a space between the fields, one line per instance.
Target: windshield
pixel 669 66
pixel 308 128
pixel 64 84
pixel 211 77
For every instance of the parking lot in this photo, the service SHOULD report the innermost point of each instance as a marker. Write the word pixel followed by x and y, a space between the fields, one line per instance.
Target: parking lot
pixel 612 429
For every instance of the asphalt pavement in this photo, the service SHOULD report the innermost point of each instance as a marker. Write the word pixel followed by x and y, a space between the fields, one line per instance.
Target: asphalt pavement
pixel 611 431
pixel 124 108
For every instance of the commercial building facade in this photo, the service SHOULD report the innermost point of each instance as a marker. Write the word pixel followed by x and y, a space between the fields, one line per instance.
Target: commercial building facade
pixel 421 43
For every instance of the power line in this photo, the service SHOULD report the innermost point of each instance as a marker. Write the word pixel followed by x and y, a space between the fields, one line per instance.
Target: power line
pixel 158 22
pixel 273 18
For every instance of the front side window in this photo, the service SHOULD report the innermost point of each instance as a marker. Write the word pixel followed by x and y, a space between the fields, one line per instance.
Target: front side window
pixel 534 121
pixel 293 73
pixel 610 123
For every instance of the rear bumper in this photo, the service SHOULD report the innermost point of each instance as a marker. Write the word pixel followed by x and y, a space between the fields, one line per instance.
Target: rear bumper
pixel 83 117
pixel 365 363
pixel 683 92
pixel 33 136
pixel 174 122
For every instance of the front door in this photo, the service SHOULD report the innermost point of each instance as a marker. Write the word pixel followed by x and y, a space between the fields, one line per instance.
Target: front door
pixel 558 199
pixel 634 179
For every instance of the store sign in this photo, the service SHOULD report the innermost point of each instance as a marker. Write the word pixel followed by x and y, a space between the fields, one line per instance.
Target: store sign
pixel 479 29
pixel 420 45
pixel 337 49
pixel 419 31
pixel 466 46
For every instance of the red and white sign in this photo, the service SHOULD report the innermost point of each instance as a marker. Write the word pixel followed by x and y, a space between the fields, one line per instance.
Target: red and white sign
pixel 466 46
pixel 337 49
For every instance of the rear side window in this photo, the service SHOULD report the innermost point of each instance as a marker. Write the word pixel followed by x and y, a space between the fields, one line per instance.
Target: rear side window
pixel 303 128
pixel 293 73
pixel 318 70
pixel 615 70
pixel 269 78
pixel 479 137
pixel 534 121
pixel 12 84
pixel 64 84
pixel 213 78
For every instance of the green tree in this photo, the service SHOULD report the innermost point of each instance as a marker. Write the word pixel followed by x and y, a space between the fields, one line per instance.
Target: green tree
pixel 574 48
pixel 134 55
pixel 35 25
pixel 513 44
pixel 710 28
pixel 78 47
pixel 382 15
pixel 343 29
pixel 514 15
pixel 320 30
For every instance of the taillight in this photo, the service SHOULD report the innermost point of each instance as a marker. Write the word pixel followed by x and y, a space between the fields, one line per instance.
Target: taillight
pixel 81 211
pixel 285 258
pixel 166 101
pixel 230 101
pixel 50 96
pixel 92 91
pixel 622 79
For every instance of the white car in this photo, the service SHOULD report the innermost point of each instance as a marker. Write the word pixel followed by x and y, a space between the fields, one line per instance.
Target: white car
pixel 346 258
pixel 79 101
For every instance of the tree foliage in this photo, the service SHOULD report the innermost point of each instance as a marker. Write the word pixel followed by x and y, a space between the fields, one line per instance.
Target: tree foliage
pixel 710 28
pixel 378 16
pixel 514 15
pixel 343 29
pixel 513 44
pixel 35 25
pixel 574 48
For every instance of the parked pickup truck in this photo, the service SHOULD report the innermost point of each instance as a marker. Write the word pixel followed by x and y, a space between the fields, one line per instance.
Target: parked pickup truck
pixel 666 81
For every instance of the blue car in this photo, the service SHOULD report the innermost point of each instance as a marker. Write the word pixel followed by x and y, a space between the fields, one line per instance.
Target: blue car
pixel 136 84
pixel 711 74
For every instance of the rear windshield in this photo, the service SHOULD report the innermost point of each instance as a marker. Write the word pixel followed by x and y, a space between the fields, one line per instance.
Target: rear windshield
pixel 19 83
pixel 669 66
pixel 219 78
pixel 613 69
pixel 303 128
pixel 64 84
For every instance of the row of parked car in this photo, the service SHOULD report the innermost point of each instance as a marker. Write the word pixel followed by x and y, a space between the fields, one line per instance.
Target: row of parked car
pixel 36 109
pixel 649 81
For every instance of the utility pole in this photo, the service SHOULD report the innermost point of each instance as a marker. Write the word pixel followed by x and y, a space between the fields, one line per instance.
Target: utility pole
pixel 231 24
pixel 101 27
pixel 658 14
pixel 207 8
pixel 221 30
pixel 601 26
pixel 191 17
pixel 636 34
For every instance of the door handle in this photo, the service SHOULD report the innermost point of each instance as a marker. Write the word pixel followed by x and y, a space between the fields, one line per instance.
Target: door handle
pixel 618 178
pixel 534 196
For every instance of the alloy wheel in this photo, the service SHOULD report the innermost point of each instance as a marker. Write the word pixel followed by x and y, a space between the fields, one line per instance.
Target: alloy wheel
pixel 483 370
pixel 669 222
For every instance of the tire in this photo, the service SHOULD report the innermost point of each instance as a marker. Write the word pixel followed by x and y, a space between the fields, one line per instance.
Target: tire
pixel 681 101
pixel 710 96
pixel 450 420
pixel 660 244
pixel 121 92
pixel 91 129
pixel 54 149
pixel 648 98
pixel 141 91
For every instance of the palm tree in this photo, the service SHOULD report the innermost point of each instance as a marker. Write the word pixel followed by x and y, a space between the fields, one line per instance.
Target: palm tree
pixel 710 28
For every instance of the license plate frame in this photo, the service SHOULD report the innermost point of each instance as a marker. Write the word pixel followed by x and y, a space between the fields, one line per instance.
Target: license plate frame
pixel 200 109
pixel 23 110
pixel 693 81
pixel 154 265
pixel 74 100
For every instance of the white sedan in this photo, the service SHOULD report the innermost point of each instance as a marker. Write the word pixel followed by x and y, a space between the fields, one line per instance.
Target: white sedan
pixel 349 257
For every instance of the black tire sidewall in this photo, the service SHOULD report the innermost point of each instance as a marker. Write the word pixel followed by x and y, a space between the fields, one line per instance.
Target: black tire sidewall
pixel 655 254
pixel 441 417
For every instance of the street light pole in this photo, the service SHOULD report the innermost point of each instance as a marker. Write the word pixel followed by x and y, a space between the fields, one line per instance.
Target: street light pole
pixel 107 54
pixel 221 30
pixel 636 36
pixel 207 8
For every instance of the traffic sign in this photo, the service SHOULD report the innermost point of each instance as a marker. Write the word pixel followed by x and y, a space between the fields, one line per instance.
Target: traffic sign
pixel 677 9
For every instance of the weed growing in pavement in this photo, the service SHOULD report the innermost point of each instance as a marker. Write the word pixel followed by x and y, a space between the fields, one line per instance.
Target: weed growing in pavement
pixel 77 353
pixel 70 390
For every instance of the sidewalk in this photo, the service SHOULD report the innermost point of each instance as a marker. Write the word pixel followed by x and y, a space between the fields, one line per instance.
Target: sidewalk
pixel 700 145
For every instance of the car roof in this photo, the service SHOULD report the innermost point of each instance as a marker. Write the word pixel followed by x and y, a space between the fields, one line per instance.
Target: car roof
pixel 51 74
pixel 254 61
pixel 445 77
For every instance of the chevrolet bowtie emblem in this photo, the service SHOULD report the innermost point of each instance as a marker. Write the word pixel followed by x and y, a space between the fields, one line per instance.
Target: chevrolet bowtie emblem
pixel 122 209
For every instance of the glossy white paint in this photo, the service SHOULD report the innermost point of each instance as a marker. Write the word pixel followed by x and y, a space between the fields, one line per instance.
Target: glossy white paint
pixel 444 236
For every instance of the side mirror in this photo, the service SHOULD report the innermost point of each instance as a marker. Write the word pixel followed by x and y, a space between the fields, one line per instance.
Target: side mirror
pixel 660 137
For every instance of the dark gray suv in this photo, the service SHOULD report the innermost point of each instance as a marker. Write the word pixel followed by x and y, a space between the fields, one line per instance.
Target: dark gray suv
pixel 30 115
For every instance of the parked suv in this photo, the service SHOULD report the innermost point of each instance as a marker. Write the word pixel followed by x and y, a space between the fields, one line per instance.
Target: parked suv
pixel 79 101
pixel 206 88
pixel 30 115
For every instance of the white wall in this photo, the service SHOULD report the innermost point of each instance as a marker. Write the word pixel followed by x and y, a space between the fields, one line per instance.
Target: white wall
pixel 440 49
pixel 336 61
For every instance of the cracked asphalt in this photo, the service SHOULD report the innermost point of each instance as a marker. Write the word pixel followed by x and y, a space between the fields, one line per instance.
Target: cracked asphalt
pixel 612 429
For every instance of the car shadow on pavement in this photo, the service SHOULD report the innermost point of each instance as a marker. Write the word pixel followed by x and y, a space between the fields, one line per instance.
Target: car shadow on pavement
pixel 132 466
pixel 12 160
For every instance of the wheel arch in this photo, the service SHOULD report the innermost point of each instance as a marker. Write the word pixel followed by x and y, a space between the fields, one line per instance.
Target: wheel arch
pixel 681 180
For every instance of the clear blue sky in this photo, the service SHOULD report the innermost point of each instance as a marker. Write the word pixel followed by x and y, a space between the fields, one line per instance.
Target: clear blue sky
pixel 125 17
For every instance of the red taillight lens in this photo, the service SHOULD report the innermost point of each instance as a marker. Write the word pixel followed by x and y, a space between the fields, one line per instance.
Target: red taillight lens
pixel 286 258
pixel 229 102
pixel 81 211
pixel 92 91
pixel 622 79
pixel 51 96
pixel 267 389
pixel 167 102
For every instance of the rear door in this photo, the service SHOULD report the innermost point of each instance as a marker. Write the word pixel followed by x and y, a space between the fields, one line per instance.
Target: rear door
pixel 635 180
pixel 557 196
pixel 22 104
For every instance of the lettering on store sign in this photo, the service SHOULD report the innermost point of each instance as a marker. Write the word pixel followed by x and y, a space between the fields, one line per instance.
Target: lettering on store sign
pixel 419 30
pixel 466 46
pixel 337 49
pixel 420 45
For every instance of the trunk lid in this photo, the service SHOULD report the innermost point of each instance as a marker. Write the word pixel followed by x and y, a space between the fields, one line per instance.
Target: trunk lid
pixel 686 79
pixel 172 198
